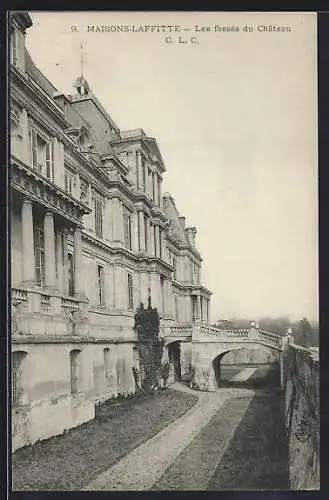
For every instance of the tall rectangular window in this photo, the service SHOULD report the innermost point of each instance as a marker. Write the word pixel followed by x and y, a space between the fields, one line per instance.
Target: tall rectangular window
pixel 70 273
pixel 98 211
pixel 42 154
pixel 100 281
pixel 130 292
pixel 155 242
pixel 146 232
pixel 39 254
pixel 127 229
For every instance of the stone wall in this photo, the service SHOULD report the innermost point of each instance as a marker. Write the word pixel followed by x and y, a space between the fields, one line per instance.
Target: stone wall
pixel 45 405
pixel 302 417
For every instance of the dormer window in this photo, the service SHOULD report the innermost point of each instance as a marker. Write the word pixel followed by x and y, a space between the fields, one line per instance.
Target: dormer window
pixel 82 86
pixel 69 182
pixel 42 154
pixel 14 47
pixel 15 126
pixel 84 189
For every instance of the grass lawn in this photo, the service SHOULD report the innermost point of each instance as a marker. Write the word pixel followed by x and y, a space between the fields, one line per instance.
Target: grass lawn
pixel 72 460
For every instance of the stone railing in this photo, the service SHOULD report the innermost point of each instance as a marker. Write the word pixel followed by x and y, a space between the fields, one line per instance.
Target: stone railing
pixel 18 295
pixel 180 331
pixel 38 300
pixel 244 333
pixel 45 302
pixel 70 304
pixel 129 134
pixel 302 416
pixel 252 334
pixel 271 338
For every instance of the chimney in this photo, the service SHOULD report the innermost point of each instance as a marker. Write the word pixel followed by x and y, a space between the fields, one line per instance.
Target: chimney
pixel 190 233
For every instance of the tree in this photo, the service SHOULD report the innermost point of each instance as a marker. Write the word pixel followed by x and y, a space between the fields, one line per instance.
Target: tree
pixel 149 346
pixel 303 333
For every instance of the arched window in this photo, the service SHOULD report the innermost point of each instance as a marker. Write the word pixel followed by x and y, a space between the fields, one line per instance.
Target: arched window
pixel 19 396
pixel 75 368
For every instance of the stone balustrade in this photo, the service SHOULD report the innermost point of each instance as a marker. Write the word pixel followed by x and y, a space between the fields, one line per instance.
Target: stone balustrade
pixel 200 330
pixel 27 303
pixel 129 134
pixel 18 295
pixel 180 331
pixel 71 304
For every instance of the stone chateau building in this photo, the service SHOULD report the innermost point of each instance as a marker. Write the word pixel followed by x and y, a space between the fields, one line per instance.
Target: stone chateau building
pixel 92 236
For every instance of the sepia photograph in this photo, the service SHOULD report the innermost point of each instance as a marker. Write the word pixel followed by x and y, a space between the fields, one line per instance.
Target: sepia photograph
pixel 163 180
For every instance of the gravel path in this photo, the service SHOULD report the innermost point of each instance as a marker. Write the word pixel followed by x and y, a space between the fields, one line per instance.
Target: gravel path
pixel 144 466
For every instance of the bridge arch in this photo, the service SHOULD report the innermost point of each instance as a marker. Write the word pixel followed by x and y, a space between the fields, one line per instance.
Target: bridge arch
pixel 174 357
pixel 256 355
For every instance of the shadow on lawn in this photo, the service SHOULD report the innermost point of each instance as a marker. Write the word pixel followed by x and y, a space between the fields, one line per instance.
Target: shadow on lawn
pixel 257 458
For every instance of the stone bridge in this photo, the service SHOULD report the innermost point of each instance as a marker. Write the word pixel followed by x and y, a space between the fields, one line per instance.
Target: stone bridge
pixel 199 350
pixel 202 349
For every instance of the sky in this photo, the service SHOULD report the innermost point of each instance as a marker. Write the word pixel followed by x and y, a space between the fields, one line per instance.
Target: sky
pixel 235 116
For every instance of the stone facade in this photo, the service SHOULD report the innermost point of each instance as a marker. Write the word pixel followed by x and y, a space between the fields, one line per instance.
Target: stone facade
pixel 92 236
pixel 302 417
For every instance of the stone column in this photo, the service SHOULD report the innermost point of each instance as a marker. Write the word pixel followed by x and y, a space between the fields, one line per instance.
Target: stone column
pixel 28 262
pixel 157 240
pixel 50 263
pixel 141 231
pixel 78 263
pixel 59 261
pixel 65 263
pixel 147 234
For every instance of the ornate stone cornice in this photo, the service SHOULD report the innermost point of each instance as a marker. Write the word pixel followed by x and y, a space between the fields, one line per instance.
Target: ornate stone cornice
pixel 36 187
pixel 198 290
